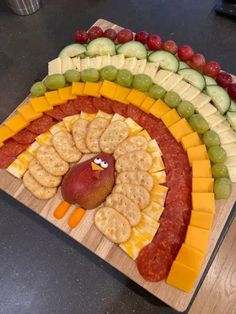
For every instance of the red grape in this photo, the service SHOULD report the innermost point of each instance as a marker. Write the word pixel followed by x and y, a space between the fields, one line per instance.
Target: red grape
pixel 110 33
pixel 185 52
pixel 95 32
pixel 154 42
pixel 197 61
pixel 224 79
pixel 212 69
pixel 170 45
pixel 142 37
pixel 124 35
pixel 81 37
pixel 232 90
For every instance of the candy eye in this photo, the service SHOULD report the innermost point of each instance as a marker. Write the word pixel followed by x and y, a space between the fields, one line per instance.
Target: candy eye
pixel 97 161
pixel 104 164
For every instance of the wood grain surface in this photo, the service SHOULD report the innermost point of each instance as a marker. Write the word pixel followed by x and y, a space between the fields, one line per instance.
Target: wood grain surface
pixel 88 235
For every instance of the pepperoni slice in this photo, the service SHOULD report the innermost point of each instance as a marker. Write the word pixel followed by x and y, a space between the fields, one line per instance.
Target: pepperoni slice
pixel 41 124
pixel 134 113
pixel 24 137
pixel 68 108
pixel 5 160
pixel 12 148
pixel 179 211
pixel 56 113
pixel 85 103
pixel 103 104
pixel 120 108
pixel 179 194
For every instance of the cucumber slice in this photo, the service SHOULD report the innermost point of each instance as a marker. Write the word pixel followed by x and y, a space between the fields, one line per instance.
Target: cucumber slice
pixel 193 77
pixel 232 106
pixel 72 50
pixel 166 60
pixel 101 47
pixel 231 117
pixel 209 80
pixel 133 49
pixel 183 65
pixel 220 97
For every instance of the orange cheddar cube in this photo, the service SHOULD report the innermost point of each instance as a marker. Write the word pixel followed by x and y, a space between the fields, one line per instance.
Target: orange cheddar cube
pixel 170 118
pixel 16 123
pixel 28 113
pixel 197 238
pixel 202 185
pixel 201 219
pixel 197 153
pixel 121 94
pixel 147 104
pixel 78 88
pixel 203 202
pixel 201 169
pixel 180 129
pixel 108 89
pixel 1 145
pixel 53 98
pixel 190 140
pixel 5 133
pixel 92 89
pixel 159 108
pixel 190 257
pixel 40 104
pixel 65 93
pixel 136 97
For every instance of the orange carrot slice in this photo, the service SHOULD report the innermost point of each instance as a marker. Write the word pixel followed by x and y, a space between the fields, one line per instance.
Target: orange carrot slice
pixel 75 217
pixel 61 210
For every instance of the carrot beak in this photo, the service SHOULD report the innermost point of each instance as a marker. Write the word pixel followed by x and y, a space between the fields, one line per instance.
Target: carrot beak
pixel 96 167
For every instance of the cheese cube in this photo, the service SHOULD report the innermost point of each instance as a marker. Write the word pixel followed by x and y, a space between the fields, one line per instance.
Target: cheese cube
pixel 25 157
pixel 230 149
pixel 134 127
pixel 130 64
pixel 215 119
pixel 158 194
pixel 157 164
pixel 190 140
pixel 5 133
pixel 121 93
pixel 101 114
pixel 145 134
pixel 28 113
pixel 87 116
pixel 108 89
pixel 118 61
pixel 182 277
pixel 44 138
pixel 221 127
pixel 65 93
pixel 207 110
pixel 69 121
pixel 40 104
pixel 78 88
pixel 232 173
pixel 16 123
pixel 17 168
pixel 32 148
pixel 117 117
pixel 201 169
pixel 136 97
pixel 159 108
pixel 159 177
pixel 140 66
pixel 200 100
pixel 53 98
pixel 147 227
pixel 57 127
pixel 95 63
pixel 170 118
pixel 197 238
pixel 204 202
pixel 197 153
pixel 84 63
pixel 202 185
pixel 227 137
pixel 54 66
pixel 154 210
pixel 161 76
pixel 154 147
pixel 147 104
pixel 92 89
pixel 190 257
pixel 1 145
pixel 180 129
pixel 171 82
pixel 66 64
pixel 190 93
pixel 106 60
pixel 201 219
pixel 181 88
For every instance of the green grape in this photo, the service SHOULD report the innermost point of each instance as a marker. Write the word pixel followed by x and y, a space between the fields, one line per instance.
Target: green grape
pixel 142 82
pixel 90 75
pixel 109 73
pixel 222 188
pixel 72 76
pixel 156 92
pixel 55 81
pixel 198 123
pixel 172 99
pixel 124 78
pixel 219 170
pixel 217 154
pixel 211 138
pixel 38 89
pixel 185 109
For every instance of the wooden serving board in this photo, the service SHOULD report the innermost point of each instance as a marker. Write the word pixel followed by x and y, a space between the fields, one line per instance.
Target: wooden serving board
pixel 87 234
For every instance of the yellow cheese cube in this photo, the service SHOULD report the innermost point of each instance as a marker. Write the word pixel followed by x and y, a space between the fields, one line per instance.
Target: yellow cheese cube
pixel 147 104
pixel 202 185
pixel 108 89
pixel 69 121
pixel 157 164
pixel 17 168
pixel 44 138
pixel 190 140
pixel 28 113
pixel 87 116
pixel 65 93
pixel 154 210
pixel 197 238
pixel 170 118
pixel 159 108
pixel 201 168
pixel 32 148
pixel 136 97
pixel 197 153
pixel 180 129
pixel 182 277
pixel 57 127
pixel 78 88
pixel 134 127
pixel 147 227
pixel 201 219
pixel 92 89
pixel 159 177
pixel 16 123
pixel 190 257
pixel 40 104
pixel 5 133
pixel 53 98
pixel 204 202
pixel 158 194
pixel 25 157
pixel 102 114
pixel 1 145
pixel 145 134
pixel 121 93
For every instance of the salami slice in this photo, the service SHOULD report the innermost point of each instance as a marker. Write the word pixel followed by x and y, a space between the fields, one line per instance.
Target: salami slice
pixel 120 108
pixel 68 108
pixel 85 103
pixel 40 125
pixel 56 113
pixel 134 113
pixel 12 148
pixel 5 160
pixel 179 194
pixel 24 137
pixel 179 211
pixel 103 104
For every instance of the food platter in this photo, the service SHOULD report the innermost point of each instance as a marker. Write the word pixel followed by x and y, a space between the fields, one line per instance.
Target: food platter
pixel 87 234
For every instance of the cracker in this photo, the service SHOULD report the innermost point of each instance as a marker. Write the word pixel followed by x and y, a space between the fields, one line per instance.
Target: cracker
pixel 95 130
pixel 65 146
pixel 132 143
pixel 51 161
pixel 136 193
pixel 114 134
pixel 136 177
pixel 42 176
pixel 138 160
pixel 112 224
pixel 79 132
pixel 125 207
pixel 39 191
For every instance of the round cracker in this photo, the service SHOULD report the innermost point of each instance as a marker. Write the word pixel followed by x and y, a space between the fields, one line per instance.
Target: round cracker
pixel 137 160
pixel 95 130
pixel 136 177
pixel 132 143
pixel 79 132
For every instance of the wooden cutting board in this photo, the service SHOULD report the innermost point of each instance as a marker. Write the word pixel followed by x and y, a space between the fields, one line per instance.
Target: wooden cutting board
pixel 87 234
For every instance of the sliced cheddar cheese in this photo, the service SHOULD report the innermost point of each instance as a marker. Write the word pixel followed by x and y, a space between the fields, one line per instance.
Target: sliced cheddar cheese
pixel 202 185
pixel 158 194
pixel 108 89
pixel 53 98
pixel 16 123
pixel 28 113
pixel 190 257
pixel 153 147
pixel 145 134
pixel 203 202
pixel 5 133
pixel 134 128
pixel 92 89
pixel 197 238
pixel 201 168
pixel 180 129
pixel 201 219
pixel 197 153
pixel 136 97
pixel 147 226
pixel 147 104
pixel 17 168
pixel 25 157
pixel 121 94
pixel 102 114
pixel 44 138
pixel 154 210
pixel 157 164
pixel 190 140
pixel 40 104
pixel 159 177
pixel 65 93
pixel 78 88
pixel 32 148
pixel 170 118
pixel 69 121
pixel 87 116
pixel 159 108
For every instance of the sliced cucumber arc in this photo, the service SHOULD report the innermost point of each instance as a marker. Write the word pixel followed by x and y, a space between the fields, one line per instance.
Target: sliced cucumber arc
pixel 166 60
pixel 220 97
pixel 232 106
pixel 183 65
pixel 231 117
pixel 193 77
pixel 209 80
pixel 133 49
pixel 72 50
pixel 101 47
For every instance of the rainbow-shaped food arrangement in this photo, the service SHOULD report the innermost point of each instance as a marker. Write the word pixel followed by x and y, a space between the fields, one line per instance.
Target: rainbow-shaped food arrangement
pixel 138 130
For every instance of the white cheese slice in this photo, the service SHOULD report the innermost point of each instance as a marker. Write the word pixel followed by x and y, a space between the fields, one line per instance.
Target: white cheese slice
pixel 84 63
pixel 232 173
pixel 140 66
pixel 54 66
pixel 200 100
pixel 231 161
pixel 221 127
pixel 151 69
pixel 130 64
pixel 227 137
pixel 99 62
pixel 229 148
pixel 207 110
pixel 190 93
pixel 161 76
pixel 214 119
pixel 95 63
pixel 106 60
pixel 171 82
pixel 118 61
pixel 66 64
pixel 181 88
pixel 76 62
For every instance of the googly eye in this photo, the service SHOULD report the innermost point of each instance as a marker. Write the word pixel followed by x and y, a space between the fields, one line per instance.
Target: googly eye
pixel 104 164
pixel 97 161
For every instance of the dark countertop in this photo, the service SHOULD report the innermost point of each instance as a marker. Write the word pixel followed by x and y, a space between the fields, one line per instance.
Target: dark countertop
pixel 41 269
